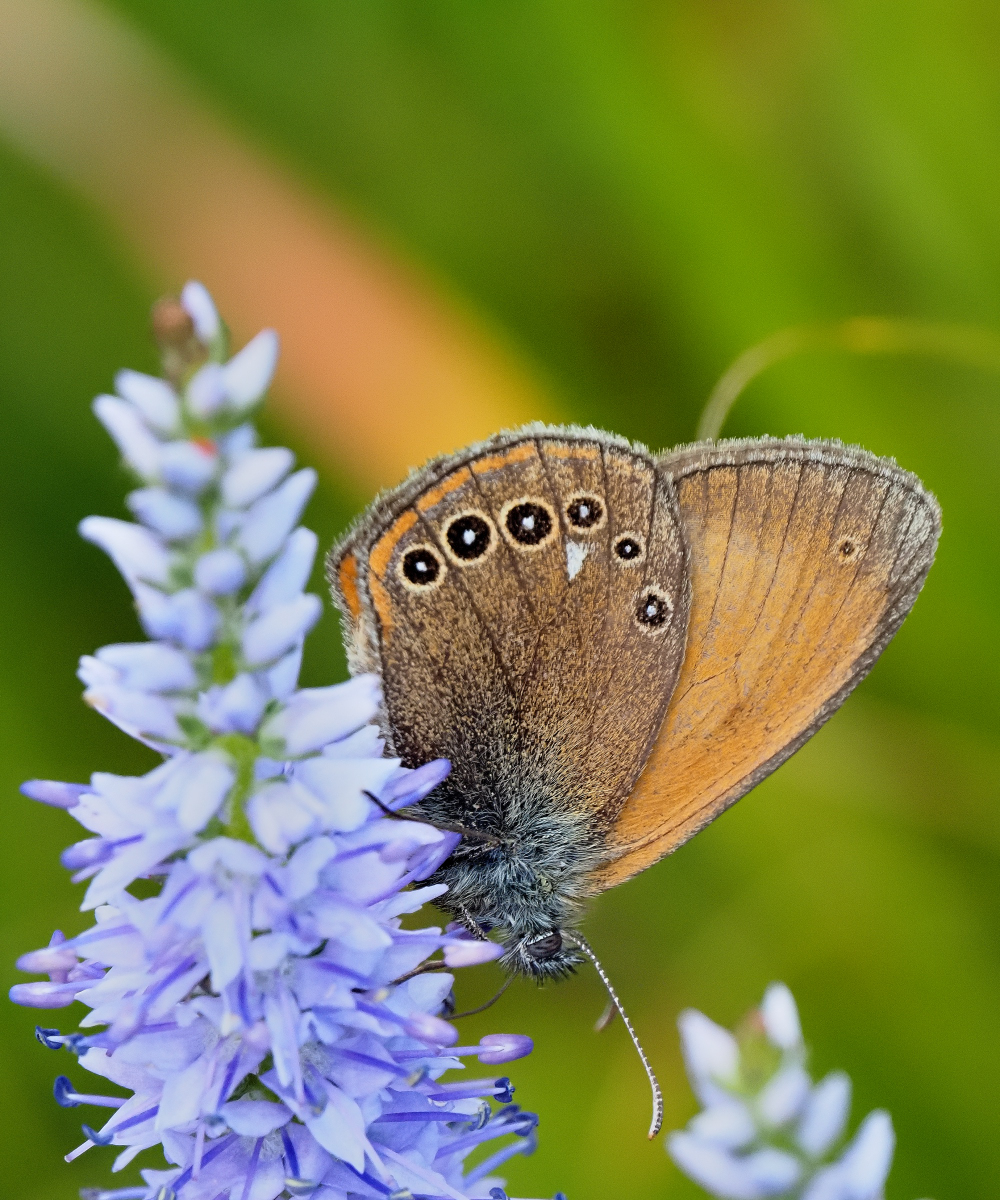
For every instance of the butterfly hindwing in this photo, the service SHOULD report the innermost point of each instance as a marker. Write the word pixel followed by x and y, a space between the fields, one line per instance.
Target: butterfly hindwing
pixel 805 557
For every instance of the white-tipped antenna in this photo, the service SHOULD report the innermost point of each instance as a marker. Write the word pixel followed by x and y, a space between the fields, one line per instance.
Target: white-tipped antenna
pixel 580 941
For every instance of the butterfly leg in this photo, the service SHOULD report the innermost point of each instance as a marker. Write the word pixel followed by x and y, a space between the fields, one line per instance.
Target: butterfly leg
pixel 483 1007
pixel 423 969
pixel 471 924
pixel 446 826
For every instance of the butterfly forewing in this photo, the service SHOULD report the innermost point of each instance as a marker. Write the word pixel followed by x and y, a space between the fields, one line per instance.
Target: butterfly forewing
pixel 804 559
pixel 526 664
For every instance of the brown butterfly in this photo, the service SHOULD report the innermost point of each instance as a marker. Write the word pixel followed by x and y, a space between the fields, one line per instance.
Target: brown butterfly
pixel 613 646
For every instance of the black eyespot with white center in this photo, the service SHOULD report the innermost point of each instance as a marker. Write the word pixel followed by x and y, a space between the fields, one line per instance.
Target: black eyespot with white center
pixel 469 537
pixel 584 512
pixel 629 548
pixel 654 610
pixel 529 523
pixel 422 567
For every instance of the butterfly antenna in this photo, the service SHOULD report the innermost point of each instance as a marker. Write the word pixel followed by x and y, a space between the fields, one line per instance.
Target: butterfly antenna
pixel 580 941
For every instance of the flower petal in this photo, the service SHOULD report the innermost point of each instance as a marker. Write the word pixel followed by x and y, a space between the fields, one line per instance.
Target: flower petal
pixel 825 1114
pixel 274 516
pixel 138 446
pixel 248 373
pixel 781 1017
pixel 155 399
pixel 255 474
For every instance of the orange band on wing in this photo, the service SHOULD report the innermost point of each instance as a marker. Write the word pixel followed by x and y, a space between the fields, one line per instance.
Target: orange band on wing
pixel 383 604
pixel 445 488
pixel 378 560
pixel 348 578
pixel 495 462
pixel 576 450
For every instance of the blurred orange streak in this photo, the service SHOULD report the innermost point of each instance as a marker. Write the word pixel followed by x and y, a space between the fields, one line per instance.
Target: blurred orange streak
pixel 378 369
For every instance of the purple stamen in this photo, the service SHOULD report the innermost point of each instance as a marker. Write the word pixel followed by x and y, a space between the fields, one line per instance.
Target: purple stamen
pixel 489 1165
pixel 503 1047
pixel 439 1052
pixel 37 995
pixel 501 1088
pixel 494 1048
pixel 447 1117
pixel 67 1097
pixel 522 1124
pixel 99 1139
pixel 59 795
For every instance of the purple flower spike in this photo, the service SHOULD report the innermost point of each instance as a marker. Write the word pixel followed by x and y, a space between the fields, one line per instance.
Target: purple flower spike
pixel 771 1133
pixel 247 1003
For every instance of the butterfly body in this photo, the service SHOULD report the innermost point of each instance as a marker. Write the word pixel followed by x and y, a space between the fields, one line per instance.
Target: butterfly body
pixel 612 646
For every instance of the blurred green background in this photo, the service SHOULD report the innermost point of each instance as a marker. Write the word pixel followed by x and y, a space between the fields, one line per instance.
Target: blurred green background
pixel 631 194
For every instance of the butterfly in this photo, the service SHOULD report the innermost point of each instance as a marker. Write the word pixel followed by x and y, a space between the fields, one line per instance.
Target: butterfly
pixel 613 646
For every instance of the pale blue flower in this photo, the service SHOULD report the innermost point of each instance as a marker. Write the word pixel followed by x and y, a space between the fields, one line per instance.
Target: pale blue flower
pixel 766 1130
pixel 264 1010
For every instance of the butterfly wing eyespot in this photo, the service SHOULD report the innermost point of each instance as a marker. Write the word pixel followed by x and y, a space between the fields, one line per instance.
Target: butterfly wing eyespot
pixel 654 610
pixel 421 569
pixel 528 522
pixel 586 512
pixel 469 537
pixel 629 548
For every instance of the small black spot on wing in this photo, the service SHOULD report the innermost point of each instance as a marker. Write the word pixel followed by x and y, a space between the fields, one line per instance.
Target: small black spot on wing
pixel 630 548
pixel 529 522
pixel 654 609
pixel 585 512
